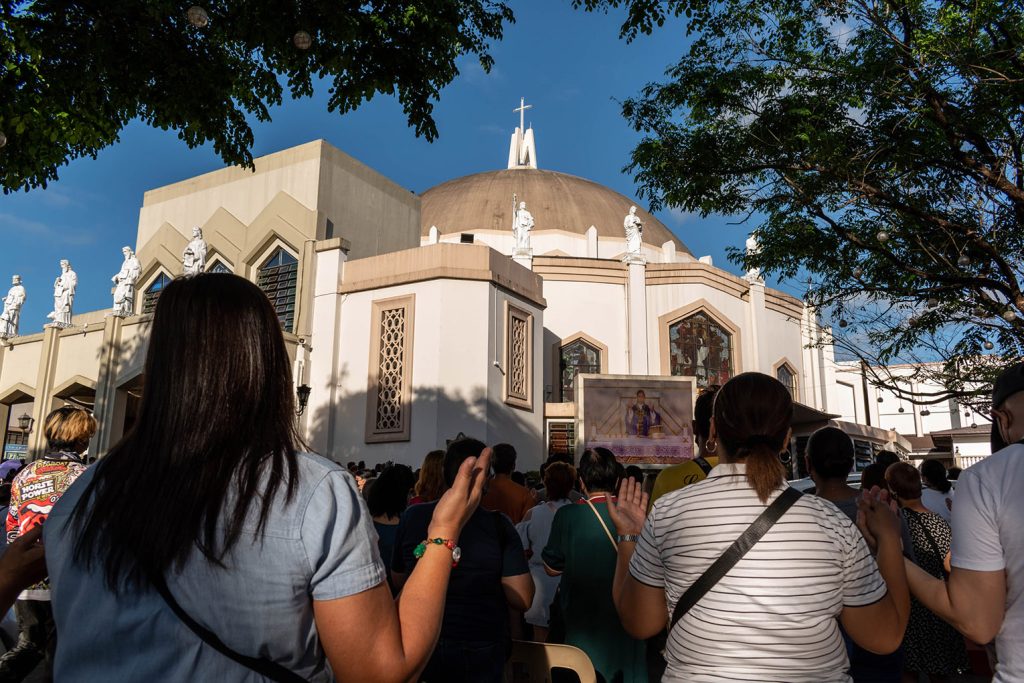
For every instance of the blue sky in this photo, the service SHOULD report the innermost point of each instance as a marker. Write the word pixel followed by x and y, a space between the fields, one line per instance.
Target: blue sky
pixel 572 66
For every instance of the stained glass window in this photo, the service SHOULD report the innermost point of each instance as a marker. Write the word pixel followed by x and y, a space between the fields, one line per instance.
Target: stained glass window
pixel 152 293
pixel 278 277
pixel 701 348
pixel 575 358
pixel 219 267
pixel 786 375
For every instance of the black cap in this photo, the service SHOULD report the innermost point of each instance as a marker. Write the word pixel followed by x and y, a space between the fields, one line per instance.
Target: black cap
pixel 1008 383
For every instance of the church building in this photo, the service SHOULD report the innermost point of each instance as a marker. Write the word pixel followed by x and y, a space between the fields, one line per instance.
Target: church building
pixel 472 308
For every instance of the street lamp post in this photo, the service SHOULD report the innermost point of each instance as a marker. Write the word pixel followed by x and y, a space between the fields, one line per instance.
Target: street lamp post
pixel 25 423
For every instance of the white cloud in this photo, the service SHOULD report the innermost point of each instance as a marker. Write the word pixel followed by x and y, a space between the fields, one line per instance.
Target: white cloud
pixel 680 215
pixel 472 73
pixel 30 228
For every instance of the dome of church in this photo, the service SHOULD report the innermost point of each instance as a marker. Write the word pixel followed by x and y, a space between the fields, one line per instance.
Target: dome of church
pixel 558 201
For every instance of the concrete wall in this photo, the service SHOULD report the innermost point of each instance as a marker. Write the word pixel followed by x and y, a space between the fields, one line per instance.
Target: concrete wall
pixel 565 243
pixel 241 192
pixel 456 387
pixel 371 212
pixel 596 309
pixel 885 414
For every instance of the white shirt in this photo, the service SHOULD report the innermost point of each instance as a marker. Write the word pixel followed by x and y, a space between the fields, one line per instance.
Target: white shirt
pixel 988 536
pixel 935 501
pixel 773 616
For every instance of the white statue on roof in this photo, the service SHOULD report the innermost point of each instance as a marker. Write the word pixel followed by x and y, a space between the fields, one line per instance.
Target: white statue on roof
pixel 63 295
pixel 193 261
pixel 634 228
pixel 522 224
pixel 13 302
pixel 753 274
pixel 124 284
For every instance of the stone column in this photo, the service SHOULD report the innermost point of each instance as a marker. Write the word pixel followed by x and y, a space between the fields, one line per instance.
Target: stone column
pixel 636 316
pixel 324 364
pixel 592 242
pixel 106 386
pixel 44 387
pixel 752 339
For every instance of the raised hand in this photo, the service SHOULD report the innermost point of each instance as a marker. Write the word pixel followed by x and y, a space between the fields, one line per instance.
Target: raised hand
pixel 630 512
pixel 459 502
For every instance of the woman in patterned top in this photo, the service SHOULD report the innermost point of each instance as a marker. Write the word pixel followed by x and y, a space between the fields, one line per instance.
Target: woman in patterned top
pixel 33 494
pixel 932 646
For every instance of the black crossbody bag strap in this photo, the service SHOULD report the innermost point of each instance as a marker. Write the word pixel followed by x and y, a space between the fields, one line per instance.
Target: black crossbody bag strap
pixel 734 553
pixel 264 667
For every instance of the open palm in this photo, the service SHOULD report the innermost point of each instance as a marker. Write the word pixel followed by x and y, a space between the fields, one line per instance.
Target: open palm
pixel 630 511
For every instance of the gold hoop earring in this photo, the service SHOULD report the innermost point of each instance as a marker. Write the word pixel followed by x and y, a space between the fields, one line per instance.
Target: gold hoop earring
pixel 710 446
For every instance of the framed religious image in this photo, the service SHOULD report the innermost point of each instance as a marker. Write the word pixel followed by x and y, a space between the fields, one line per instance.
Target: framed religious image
pixel 641 419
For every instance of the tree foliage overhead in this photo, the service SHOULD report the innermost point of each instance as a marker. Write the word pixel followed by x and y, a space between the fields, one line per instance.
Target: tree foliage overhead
pixel 877 146
pixel 73 73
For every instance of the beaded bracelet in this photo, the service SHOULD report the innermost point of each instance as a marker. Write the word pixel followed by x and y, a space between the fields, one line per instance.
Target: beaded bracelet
pixel 446 542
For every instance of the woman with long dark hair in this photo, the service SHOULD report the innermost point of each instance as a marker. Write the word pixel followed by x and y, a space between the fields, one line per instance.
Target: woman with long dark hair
pixel 207 546
pixel 772 615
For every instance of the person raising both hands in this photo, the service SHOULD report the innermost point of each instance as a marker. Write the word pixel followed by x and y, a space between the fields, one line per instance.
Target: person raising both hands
pixel 811 567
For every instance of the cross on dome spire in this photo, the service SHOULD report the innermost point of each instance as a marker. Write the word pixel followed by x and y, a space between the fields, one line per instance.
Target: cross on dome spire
pixel 522 151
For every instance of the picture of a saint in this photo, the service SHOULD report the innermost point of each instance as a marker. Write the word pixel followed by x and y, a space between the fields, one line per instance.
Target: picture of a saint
pixel 640 417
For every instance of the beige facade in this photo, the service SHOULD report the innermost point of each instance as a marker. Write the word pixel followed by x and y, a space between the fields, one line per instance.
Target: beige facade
pixel 410 330
pixel 292 202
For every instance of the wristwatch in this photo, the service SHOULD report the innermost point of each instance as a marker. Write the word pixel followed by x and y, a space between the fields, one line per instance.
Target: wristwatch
pixel 627 538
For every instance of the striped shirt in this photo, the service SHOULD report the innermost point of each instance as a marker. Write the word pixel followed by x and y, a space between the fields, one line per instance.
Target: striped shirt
pixel 773 616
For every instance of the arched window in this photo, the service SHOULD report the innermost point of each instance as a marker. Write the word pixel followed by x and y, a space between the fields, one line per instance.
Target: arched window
pixel 277 278
pixel 785 374
pixel 152 293
pixel 575 358
pixel 219 267
pixel 700 347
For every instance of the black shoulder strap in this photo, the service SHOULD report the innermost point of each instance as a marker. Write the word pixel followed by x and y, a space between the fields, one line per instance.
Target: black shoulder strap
pixel 734 553
pixel 264 667
pixel 703 464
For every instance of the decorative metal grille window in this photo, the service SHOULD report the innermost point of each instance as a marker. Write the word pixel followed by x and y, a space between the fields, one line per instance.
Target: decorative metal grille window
pixel 389 391
pixel 389 371
pixel 786 375
pixel 278 277
pixel 518 358
pixel 576 357
pixel 701 348
pixel 219 267
pixel 152 293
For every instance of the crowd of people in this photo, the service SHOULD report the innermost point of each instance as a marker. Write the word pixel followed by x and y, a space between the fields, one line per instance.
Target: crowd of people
pixel 230 553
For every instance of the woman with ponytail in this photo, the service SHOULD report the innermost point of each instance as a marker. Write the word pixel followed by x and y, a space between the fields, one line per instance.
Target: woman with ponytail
pixel 774 614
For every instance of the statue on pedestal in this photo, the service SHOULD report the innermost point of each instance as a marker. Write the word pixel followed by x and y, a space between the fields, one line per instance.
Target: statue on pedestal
pixel 634 228
pixel 124 281
pixel 193 260
pixel 63 295
pixel 13 302
pixel 753 274
pixel 522 224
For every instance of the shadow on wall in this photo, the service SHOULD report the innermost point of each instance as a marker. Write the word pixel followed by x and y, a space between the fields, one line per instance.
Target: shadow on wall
pixel 436 415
